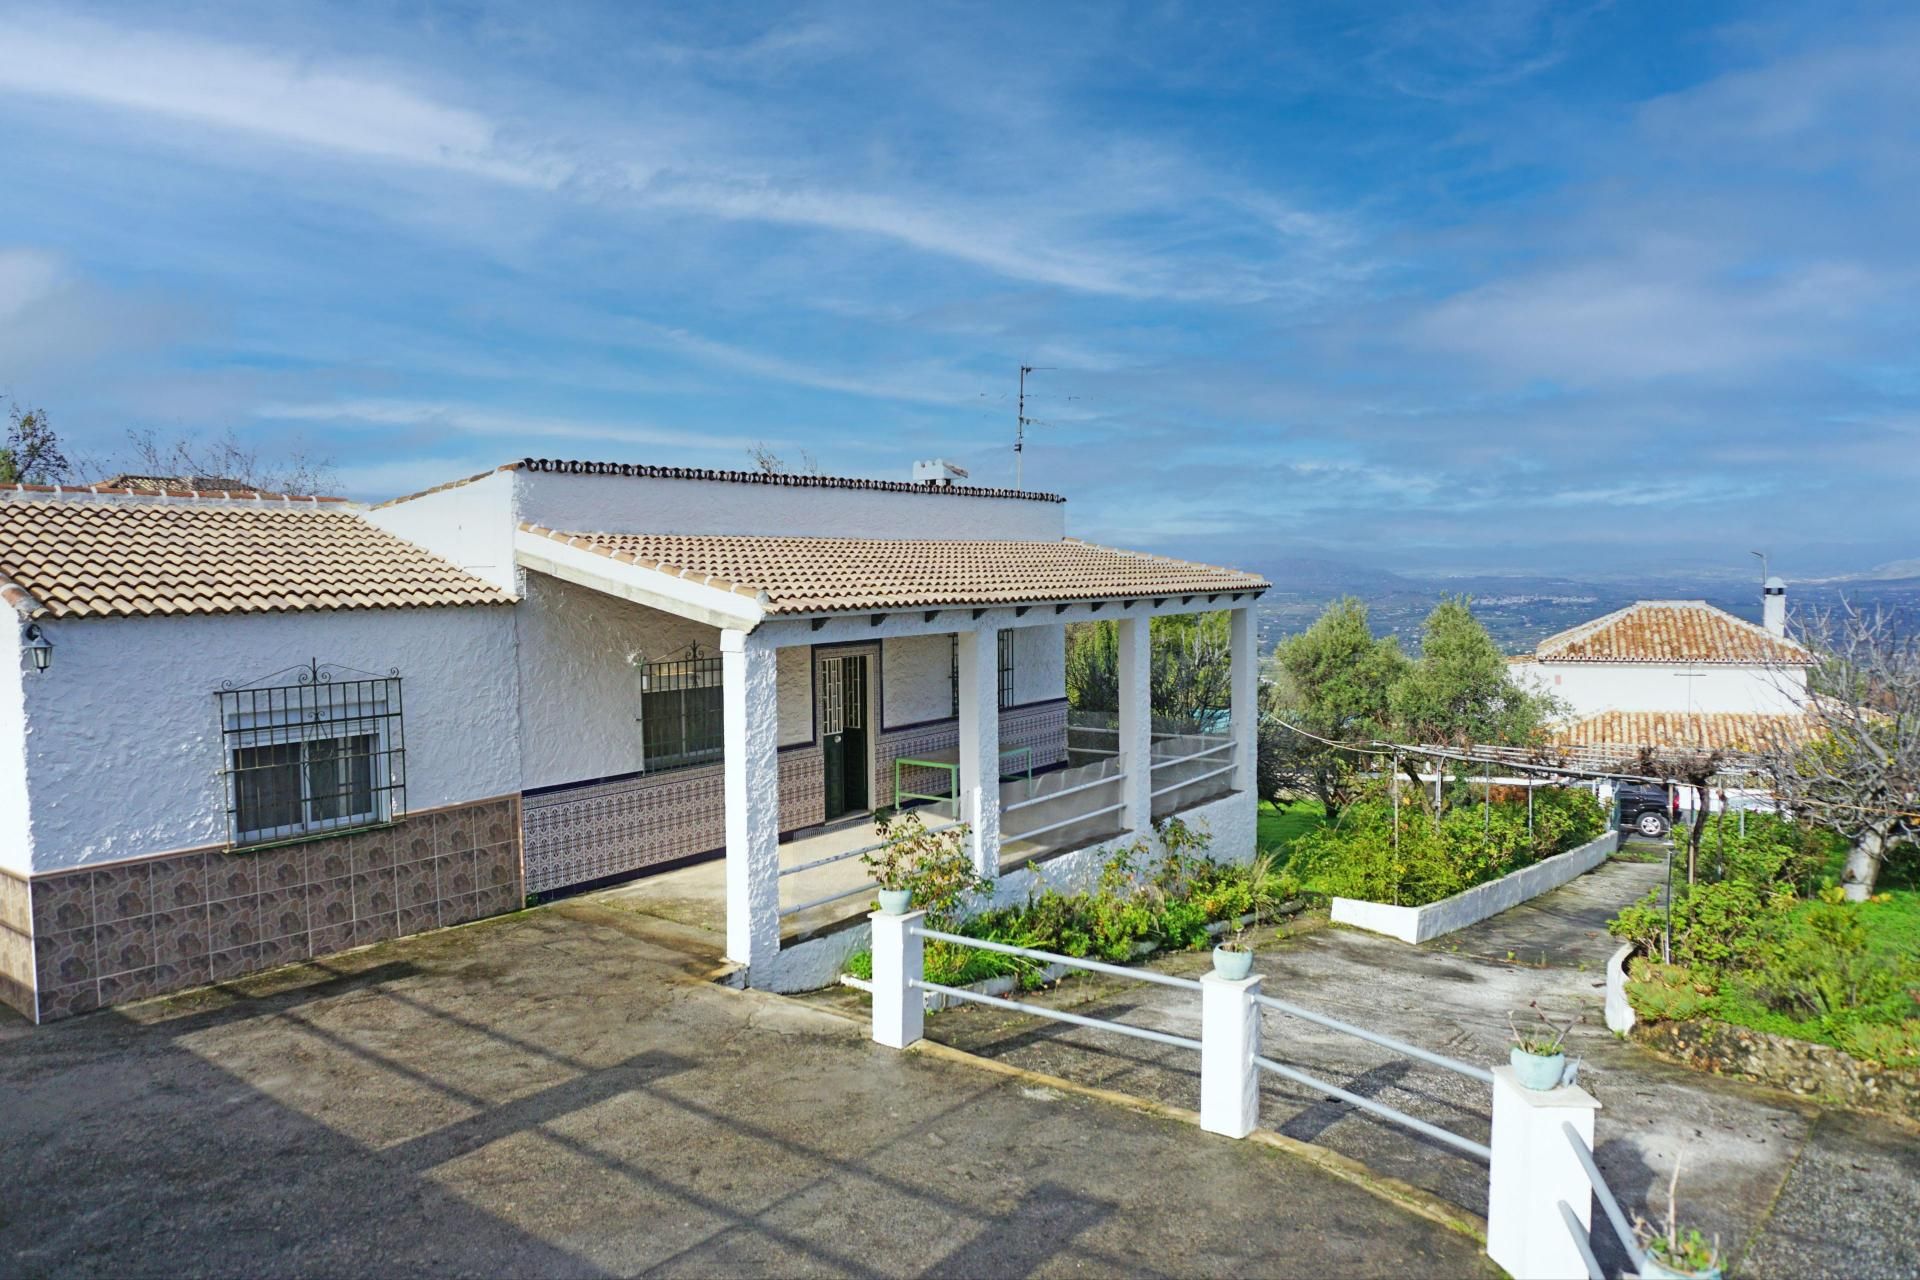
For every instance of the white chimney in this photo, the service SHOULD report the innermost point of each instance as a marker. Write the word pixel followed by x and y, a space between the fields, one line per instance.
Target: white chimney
pixel 938 471
pixel 1773 606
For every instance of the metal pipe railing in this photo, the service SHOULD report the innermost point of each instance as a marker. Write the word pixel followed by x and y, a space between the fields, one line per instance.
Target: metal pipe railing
pixel 832 858
pixel 1064 791
pixel 1374 1037
pixel 798 907
pixel 1059 1015
pixel 1434 1131
pixel 1064 822
pixel 1197 755
pixel 1622 1229
pixel 1198 777
pixel 1071 962
pixel 1580 1241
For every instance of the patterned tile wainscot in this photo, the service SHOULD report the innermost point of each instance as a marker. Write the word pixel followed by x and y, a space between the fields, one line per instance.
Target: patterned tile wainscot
pixel 93 937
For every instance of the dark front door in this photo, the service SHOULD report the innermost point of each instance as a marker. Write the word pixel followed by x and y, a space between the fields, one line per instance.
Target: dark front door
pixel 843 733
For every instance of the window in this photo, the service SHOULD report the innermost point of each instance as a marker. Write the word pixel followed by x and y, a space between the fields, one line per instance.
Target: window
pixel 1006 669
pixel 320 755
pixel 680 712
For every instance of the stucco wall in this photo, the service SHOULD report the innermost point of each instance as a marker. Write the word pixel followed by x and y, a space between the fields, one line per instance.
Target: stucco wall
pixel 470 524
pixel 1039 663
pixel 124 750
pixel 16 827
pixel 579 653
pixel 1593 687
pixel 917 679
pixel 629 504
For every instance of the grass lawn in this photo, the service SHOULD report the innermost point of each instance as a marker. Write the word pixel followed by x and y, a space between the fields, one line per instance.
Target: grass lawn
pixel 1280 827
pixel 1893 937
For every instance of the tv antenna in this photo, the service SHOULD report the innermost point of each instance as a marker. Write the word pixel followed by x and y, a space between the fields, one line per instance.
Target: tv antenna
pixel 1762 557
pixel 1022 422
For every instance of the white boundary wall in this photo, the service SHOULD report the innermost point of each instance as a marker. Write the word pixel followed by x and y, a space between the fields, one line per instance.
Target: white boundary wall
pixel 817 962
pixel 1470 906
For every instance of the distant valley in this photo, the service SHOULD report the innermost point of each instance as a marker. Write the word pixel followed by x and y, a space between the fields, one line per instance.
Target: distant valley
pixel 1521 610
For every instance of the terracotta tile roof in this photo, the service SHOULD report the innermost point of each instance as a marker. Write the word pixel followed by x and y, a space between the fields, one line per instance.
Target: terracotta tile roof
pixel 123 558
pixel 827 575
pixel 1670 631
pixel 562 466
pixel 1677 730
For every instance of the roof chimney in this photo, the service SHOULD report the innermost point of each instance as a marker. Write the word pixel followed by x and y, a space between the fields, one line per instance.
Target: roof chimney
pixel 938 471
pixel 1773 606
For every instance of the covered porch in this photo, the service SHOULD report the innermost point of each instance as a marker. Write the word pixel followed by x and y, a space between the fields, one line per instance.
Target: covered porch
pixel 792 905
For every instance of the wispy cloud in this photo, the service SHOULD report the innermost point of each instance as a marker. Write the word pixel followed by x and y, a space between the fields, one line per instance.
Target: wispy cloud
pixel 253 91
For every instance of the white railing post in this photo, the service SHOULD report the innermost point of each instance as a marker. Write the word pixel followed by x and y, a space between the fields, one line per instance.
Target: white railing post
pixel 1135 723
pixel 1533 1170
pixel 1229 1042
pixel 899 1005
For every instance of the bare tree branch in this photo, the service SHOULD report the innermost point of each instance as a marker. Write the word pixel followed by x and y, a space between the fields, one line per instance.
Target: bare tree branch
pixel 1855 766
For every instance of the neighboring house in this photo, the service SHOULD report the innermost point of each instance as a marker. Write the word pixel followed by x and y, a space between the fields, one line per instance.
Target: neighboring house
pixel 1674 674
pixel 271 728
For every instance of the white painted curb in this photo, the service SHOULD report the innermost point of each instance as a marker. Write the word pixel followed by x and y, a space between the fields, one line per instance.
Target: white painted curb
pixel 1470 906
pixel 1620 1016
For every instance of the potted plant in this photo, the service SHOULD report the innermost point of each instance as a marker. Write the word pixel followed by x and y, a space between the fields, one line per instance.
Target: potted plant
pixel 1233 959
pixel 892 864
pixel 1539 1058
pixel 1672 1253
pixel 912 858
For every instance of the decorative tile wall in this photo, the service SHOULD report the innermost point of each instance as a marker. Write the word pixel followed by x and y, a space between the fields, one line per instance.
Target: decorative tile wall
pixel 102 936
pixel 588 832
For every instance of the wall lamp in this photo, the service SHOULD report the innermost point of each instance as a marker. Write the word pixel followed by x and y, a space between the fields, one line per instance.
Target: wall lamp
pixel 39 647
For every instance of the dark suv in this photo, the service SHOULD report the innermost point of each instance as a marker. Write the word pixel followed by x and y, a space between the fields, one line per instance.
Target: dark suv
pixel 1645 807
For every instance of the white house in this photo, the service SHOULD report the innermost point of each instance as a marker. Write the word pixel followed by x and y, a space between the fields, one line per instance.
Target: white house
pixel 239 730
pixel 1673 674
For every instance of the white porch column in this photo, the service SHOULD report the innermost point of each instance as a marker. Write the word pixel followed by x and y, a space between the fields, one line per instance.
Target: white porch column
pixel 1136 722
pixel 1245 711
pixel 750 702
pixel 980 745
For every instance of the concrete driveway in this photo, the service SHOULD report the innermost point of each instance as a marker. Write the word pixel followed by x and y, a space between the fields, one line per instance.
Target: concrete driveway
pixel 1790 1188
pixel 563 1092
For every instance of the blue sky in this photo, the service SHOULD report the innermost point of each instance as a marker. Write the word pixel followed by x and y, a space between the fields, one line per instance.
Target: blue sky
pixel 1457 287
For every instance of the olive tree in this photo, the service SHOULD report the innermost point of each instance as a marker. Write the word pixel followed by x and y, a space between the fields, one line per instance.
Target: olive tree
pixel 1329 684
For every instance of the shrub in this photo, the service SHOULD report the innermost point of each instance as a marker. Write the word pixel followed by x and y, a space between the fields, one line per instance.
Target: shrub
pixel 1171 905
pixel 1819 964
pixel 933 864
pixel 1359 856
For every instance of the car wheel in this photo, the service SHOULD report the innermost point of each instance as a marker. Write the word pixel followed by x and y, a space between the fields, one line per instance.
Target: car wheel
pixel 1652 824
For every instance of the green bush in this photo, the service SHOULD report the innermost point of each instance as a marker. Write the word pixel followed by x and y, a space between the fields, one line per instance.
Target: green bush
pixel 1761 943
pixel 1361 856
pixel 1170 906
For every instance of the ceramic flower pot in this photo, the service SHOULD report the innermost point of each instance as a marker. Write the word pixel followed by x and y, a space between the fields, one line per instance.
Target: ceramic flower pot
pixel 1232 965
pixel 1537 1071
pixel 894 902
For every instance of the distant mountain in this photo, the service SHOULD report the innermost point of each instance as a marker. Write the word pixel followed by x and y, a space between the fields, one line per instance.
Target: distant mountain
pixel 1330 578
pixel 1521 610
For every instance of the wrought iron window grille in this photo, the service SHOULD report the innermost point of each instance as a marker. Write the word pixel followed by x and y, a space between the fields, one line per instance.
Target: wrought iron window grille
pixel 321 753
pixel 681 711
pixel 1006 669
